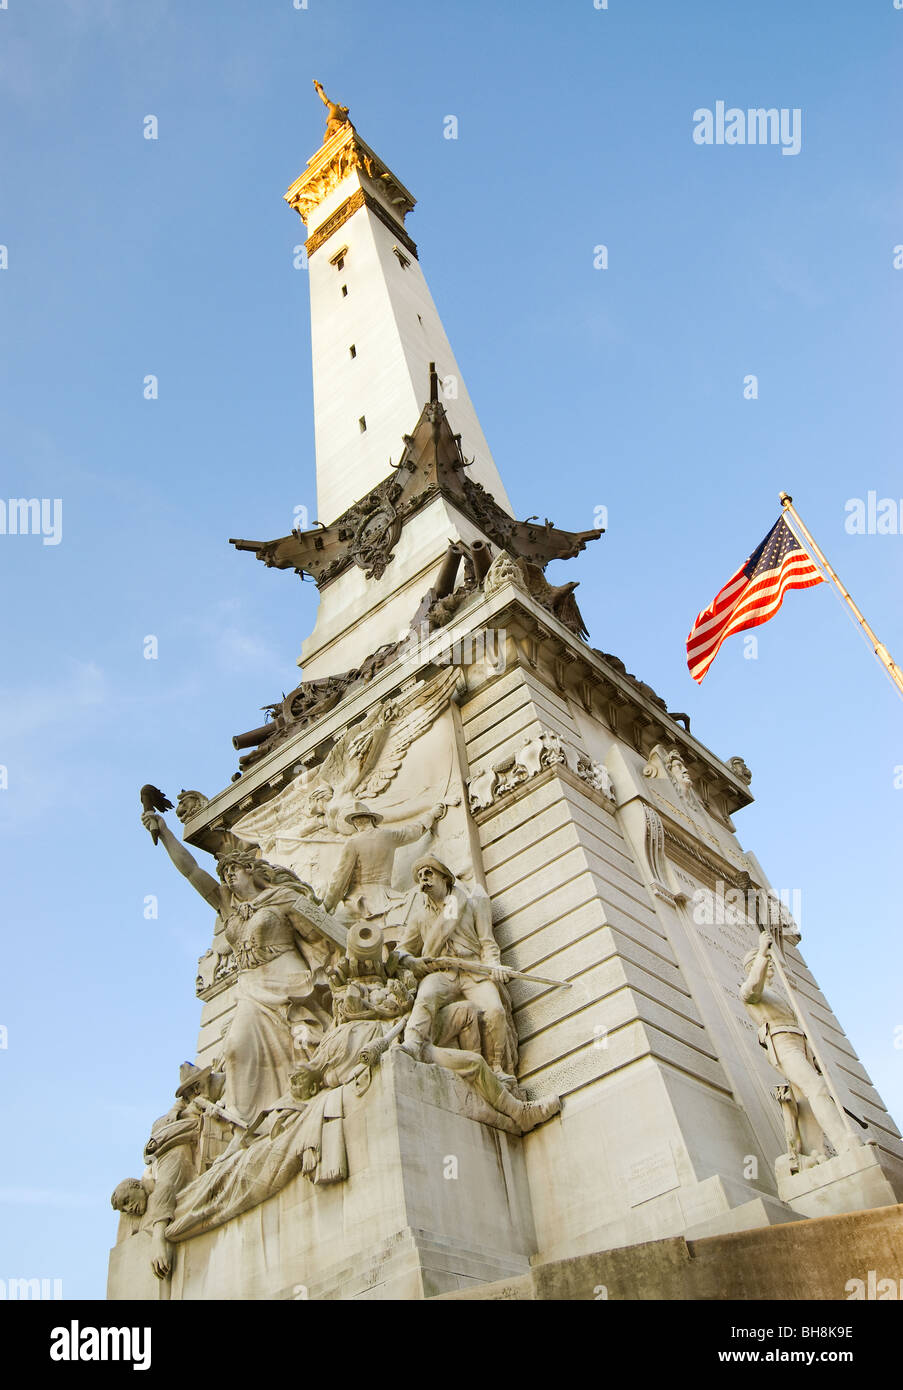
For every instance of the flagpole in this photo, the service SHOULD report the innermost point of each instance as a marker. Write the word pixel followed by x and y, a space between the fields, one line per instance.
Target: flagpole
pixel 877 646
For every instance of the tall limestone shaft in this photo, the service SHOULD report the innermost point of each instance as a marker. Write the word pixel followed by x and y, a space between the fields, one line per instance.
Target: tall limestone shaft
pixel 368 292
pixel 452 706
pixel 374 332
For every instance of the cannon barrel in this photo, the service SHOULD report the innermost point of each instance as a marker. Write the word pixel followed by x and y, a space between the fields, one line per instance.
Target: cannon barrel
pixel 445 580
pixel 255 736
pixel 482 558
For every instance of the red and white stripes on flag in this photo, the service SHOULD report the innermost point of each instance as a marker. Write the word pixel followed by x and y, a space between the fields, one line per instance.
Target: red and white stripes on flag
pixel 751 596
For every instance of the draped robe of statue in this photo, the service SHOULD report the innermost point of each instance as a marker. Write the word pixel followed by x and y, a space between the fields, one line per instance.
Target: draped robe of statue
pixel 296 1138
pixel 281 984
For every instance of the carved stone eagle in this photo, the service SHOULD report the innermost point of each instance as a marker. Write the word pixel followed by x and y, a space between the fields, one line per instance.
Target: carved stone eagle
pixel 362 763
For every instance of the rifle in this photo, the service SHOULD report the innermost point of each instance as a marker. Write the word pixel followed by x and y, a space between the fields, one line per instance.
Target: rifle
pixel 478 966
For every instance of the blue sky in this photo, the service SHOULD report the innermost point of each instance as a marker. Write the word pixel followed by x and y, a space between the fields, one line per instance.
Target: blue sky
pixel 621 388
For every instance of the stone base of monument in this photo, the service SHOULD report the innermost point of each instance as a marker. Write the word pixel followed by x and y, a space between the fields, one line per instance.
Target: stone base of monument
pixel 440 1197
pixel 851 1181
pixel 436 1197
pixel 856 1256
pixel 130 1274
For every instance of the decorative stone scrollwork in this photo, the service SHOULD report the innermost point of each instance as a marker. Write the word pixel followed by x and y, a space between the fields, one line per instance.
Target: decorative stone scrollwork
pixel 214 969
pixel 655 841
pixel 509 777
pixel 543 750
pixel 597 776
pixel 306 199
pixel 481 789
pixel 655 853
pixel 537 753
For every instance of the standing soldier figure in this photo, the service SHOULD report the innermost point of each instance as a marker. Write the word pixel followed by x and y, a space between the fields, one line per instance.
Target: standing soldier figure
pixel 787 1046
pixel 361 886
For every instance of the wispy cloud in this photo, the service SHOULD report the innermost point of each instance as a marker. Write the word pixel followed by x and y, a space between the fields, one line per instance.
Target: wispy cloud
pixel 234 644
pixel 237 650
pixel 24 711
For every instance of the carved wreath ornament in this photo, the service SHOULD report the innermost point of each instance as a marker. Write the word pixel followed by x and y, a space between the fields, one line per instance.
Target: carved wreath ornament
pixel 377 532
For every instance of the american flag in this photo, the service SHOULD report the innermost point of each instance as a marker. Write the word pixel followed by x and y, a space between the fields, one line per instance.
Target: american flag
pixel 751 596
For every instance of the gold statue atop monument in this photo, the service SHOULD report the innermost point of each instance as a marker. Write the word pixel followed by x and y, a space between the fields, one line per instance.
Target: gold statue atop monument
pixel 338 115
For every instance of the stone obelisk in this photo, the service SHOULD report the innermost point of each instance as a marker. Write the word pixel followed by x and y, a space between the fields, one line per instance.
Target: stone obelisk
pixel 475 999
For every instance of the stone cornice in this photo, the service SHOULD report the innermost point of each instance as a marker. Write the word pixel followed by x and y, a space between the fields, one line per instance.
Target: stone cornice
pixel 523 619
pixel 342 154
pixel 625 702
pixel 359 199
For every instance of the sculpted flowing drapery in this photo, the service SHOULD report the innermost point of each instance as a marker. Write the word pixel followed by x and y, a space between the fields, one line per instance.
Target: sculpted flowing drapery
pixel 307 1138
pixel 283 1002
pixel 789 1051
pixel 317 1003
pixel 281 987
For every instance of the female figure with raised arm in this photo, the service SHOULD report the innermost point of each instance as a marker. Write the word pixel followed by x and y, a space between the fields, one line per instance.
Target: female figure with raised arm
pixel 282 993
